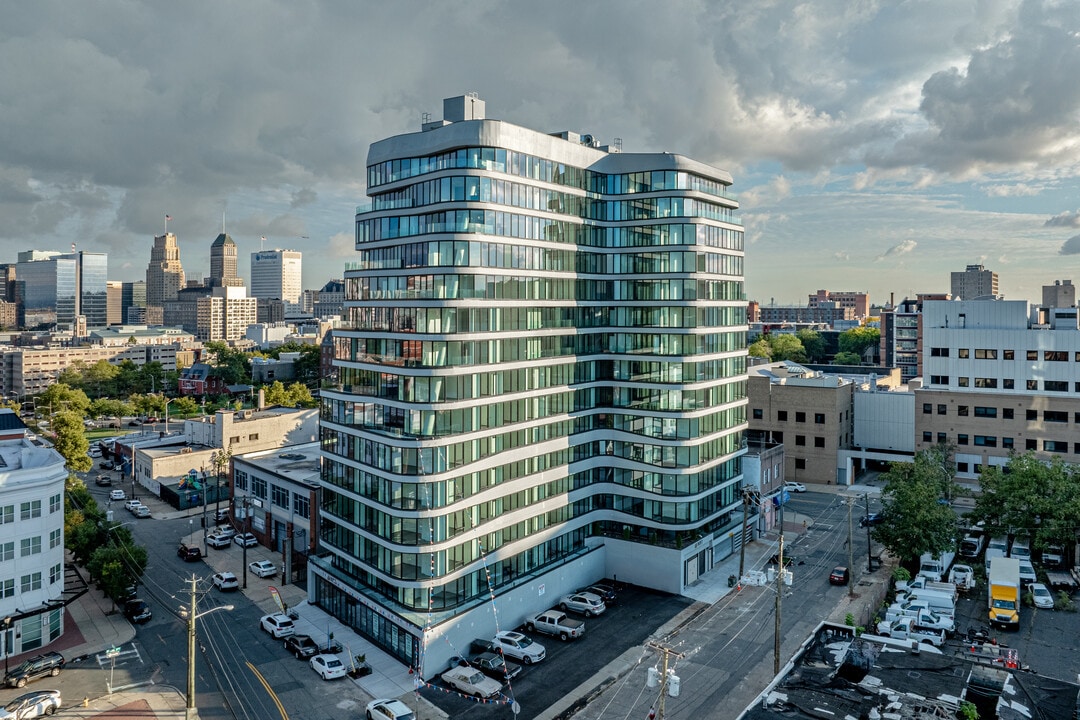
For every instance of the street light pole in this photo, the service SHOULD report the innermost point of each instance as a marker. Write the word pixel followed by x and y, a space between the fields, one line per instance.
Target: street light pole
pixel 191 713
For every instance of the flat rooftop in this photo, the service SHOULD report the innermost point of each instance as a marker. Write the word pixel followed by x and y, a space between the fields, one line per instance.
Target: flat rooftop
pixel 298 463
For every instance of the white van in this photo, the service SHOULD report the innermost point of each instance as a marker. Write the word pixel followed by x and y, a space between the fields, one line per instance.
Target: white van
pixel 1021 549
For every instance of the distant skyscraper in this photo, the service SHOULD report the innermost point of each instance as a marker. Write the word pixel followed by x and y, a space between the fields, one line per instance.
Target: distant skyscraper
pixel 276 274
pixel 223 263
pixel 57 288
pixel 92 270
pixel 974 283
pixel 116 302
pixel 134 297
pixel 164 276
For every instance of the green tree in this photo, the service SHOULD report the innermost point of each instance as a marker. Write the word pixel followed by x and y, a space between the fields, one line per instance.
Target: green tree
pixel 109 408
pixel 184 405
pixel 914 521
pixel 760 348
pixel 99 379
pixel 847 358
pixel 71 440
pixel 275 394
pixel 787 347
pixel 1031 497
pixel 857 340
pixel 232 366
pixel 116 565
pixel 299 395
pixel 812 343
pixel 60 396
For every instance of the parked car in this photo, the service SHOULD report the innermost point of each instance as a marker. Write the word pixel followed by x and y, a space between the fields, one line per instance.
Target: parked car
pixel 586 604
pixel 137 611
pixel 51 663
pixel 32 705
pixel 224 530
pixel 221 515
pixel 117 494
pixel 794 487
pixel 278 625
pixel 216 540
pixel 491 664
pixel 329 667
pixel 515 645
pixel 388 709
pixel 134 423
pixel 132 505
pixel 103 480
pixel 839 576
pixel 470 681
pixel 188 553
pixel 301 646
pixel 871 519
pixel 152 420
pixel 141 511
pixel 226 581
pixel 263 568
pixel 1027 572
pixel 604 591
pixel 1042 596
pixel 246 540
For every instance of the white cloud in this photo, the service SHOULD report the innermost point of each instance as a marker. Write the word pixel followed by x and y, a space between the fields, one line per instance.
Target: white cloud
pixel 900 248
pixel 1069 219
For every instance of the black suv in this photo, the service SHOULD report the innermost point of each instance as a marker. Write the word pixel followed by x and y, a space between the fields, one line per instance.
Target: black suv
pixel 50 663
pixel 137 611
pixel 188 553
pixel 301 646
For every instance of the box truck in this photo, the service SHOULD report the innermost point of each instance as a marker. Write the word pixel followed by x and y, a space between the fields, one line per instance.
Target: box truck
pixel 1003 591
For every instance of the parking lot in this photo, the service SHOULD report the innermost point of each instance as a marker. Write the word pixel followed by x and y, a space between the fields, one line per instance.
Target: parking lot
pixel 627 623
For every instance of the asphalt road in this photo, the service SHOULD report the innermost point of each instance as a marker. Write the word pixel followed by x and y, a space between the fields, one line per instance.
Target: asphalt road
pixel 226 687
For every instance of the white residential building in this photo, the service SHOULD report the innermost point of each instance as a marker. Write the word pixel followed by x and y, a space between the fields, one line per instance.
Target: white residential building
pixel 32 594
pixel 543 381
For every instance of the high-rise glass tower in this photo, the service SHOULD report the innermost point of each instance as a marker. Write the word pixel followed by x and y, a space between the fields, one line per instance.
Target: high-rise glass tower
pixel 542 381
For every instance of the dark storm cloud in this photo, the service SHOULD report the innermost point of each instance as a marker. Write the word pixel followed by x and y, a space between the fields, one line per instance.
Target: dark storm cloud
pixel 1070 246
pixel 1065 220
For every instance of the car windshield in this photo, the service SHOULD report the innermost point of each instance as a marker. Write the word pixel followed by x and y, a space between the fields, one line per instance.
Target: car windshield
pixel 1042 592
pixel 1004 604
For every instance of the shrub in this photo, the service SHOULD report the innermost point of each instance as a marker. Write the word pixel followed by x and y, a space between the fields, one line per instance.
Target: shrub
pixel 849 620
pixel 901 574
pixel 1064 602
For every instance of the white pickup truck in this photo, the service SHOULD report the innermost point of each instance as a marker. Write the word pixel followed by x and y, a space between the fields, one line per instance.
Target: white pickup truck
pixel 963 577
pixel 922 617
pixel 906 629
pixel 557 624
pixel 921 582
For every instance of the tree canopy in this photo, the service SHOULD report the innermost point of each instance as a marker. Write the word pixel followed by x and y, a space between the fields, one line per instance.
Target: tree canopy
pixel 232 366
pixel 779 346
pixel 916 518
pixel 1033 497
pixel 60 396
pixel 813 344
pixel 857 340
pixel 71 441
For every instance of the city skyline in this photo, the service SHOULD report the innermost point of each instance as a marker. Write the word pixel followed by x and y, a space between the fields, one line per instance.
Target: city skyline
pixel 867 146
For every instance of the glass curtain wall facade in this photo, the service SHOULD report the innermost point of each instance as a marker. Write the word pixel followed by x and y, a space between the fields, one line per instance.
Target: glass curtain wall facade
pixel 546 348
pixel 93 288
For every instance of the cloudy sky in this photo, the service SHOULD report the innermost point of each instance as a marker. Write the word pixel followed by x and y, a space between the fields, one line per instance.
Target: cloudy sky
pixel 875 145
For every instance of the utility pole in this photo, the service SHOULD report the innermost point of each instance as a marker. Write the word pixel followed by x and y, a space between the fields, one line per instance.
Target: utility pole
pixel 779 603
pixel 850 549
pixel 668 681
pixel 742 540
pixel 869 550
pixel 191 711
pixel 780 591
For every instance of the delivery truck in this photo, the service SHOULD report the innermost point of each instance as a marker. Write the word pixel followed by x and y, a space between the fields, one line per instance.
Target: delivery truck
pixel 1003 593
